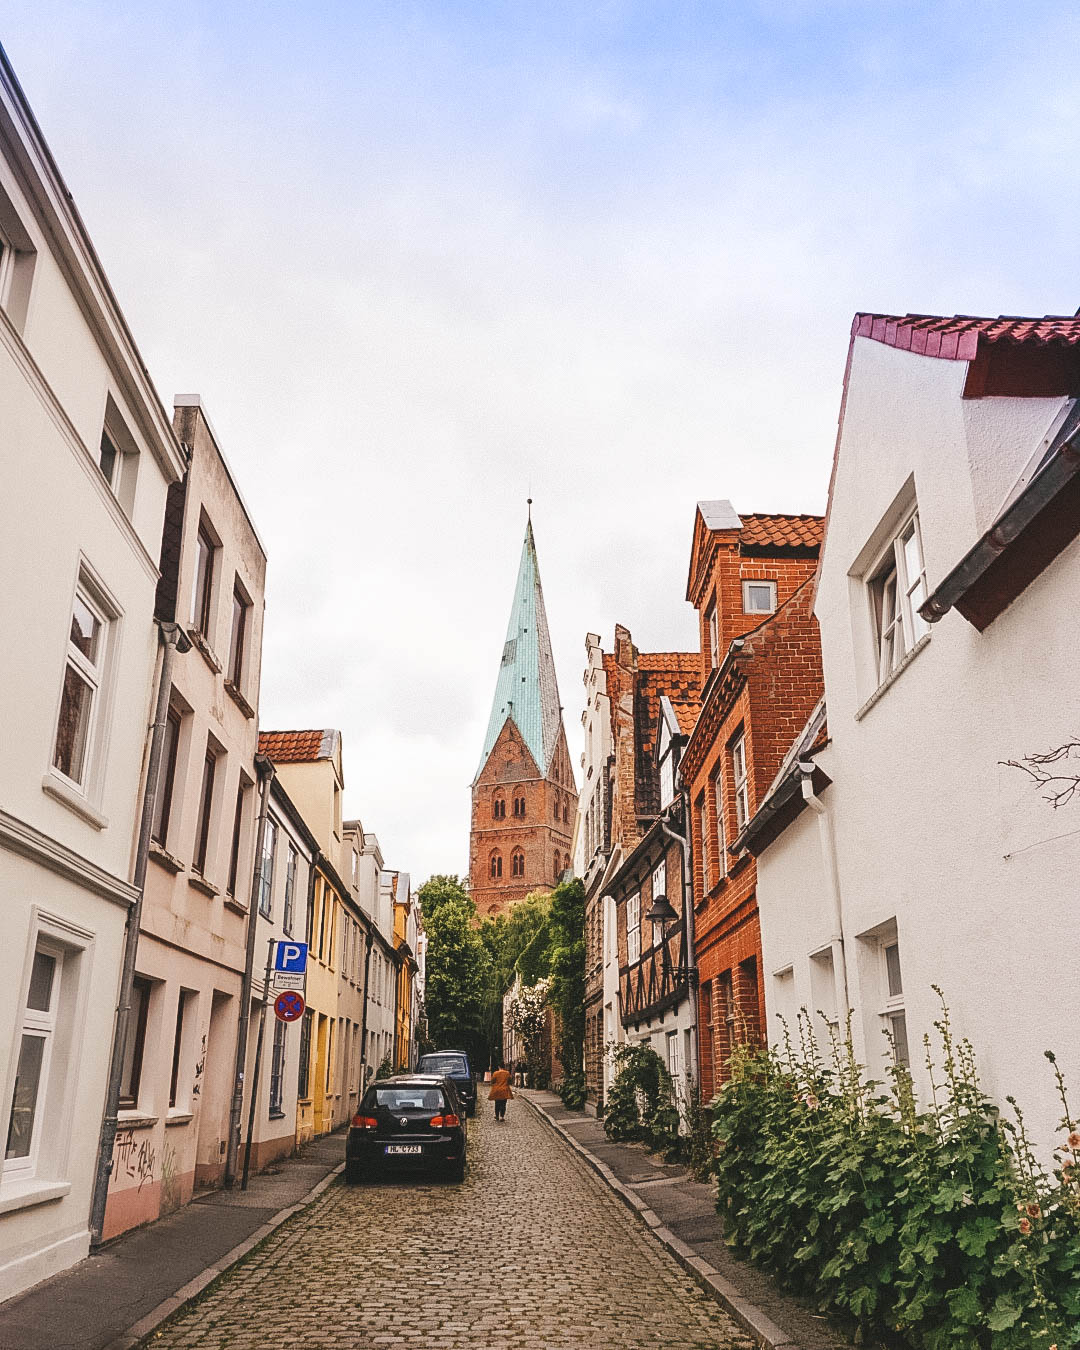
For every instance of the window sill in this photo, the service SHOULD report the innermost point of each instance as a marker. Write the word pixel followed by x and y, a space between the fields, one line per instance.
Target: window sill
pixel 240 701
pixel 74 801
pixel 134 1120
pixel 237 906
pixel 179 1118
pixel 277 1115
pixel 201 884
pixel 205 650
pixel 890 680
pixel 23 1194
pixel 165 859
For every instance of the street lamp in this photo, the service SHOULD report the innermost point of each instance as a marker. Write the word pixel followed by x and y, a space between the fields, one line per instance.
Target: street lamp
pixel 662 912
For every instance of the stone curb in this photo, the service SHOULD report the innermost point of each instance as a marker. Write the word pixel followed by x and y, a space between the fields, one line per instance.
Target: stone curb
pixel 748 1315
pixel 139 1330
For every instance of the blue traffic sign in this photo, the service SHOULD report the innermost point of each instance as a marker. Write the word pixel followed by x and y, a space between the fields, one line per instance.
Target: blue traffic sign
pixel 291 956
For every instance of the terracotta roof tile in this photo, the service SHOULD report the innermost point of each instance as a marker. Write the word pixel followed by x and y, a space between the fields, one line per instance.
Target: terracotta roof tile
pixel 778 531
pixel 297 747
pixel 956 338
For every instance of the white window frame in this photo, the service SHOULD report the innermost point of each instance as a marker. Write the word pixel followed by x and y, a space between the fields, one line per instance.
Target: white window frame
pixel 721 831
pixel 893 1006
pixel 741 774
pixel 633 929
pixel 39 1025
pixel 673 1056
pixel 703 829
pixel 667 768
pixel 291 867
pixel 712 628
pixel 266 875
pixel 659 887
pixel 895 594
pixel 748 608
pixel 98 676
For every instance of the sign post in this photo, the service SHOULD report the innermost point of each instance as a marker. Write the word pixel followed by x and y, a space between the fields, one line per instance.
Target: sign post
pixel 258 1062
pixel 286 976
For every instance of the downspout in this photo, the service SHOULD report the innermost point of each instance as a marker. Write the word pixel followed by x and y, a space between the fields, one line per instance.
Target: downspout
pixel 265 770
pixel 368 944
pixel 832 881
pixel 173 639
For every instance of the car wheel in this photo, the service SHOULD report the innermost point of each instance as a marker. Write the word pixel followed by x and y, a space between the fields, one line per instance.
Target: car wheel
pixel 353 1172
pixel 470 1110
pixel 457 1171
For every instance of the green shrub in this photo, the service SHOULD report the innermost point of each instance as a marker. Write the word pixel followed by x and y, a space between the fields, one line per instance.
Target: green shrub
pixel 641 1101
pixel 939 1225
pixel 572 1090
pixel 385 1069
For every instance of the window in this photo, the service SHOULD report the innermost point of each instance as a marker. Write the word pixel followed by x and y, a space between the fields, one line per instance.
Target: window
pixel 712 627
pixel 277 1069
pixel 202 593
pixel 517 863
pixel 555 806
pixel 82 690
pixel 897 589
pixel 36 1039
pixel 346 937
pixel 703 835
pixel 303 1076
pixel 495 868
pixel 240 609
pixel 238 827
pixel 292 860
pixel 633 928
pixel 565 810
pixel 498 808
pixel 206 810
pixel 742 786
pixel 758 597
pixel 558 864
pixel 266 869
pixel 894 1016
pixel 134 1043
pixel 166 778
pixel 673 1055
pixel 659 887
pixel 109 459
pixel 519 807
pixel 721 833
pixel 185 1002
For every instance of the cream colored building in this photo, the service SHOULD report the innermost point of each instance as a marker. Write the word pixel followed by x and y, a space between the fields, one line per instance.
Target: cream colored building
pixel 179 1069
pixel 87 456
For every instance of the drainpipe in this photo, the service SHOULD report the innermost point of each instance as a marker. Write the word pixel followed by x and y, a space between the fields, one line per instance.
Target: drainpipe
pixel 173 639
pixel 832 882
pixel 688 924
pixel 265 770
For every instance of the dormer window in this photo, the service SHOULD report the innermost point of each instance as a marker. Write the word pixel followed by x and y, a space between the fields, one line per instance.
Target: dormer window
pixel 759 597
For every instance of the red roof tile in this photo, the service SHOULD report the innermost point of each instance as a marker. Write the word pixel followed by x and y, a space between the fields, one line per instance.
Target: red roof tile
pixel 781 531
pixel 957 338
pixel 296 747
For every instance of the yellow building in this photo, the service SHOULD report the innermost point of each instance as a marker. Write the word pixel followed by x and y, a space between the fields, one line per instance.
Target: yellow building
pixel 406 927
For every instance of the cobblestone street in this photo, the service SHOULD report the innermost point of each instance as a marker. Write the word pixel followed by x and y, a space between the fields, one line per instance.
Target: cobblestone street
pixel 532 1251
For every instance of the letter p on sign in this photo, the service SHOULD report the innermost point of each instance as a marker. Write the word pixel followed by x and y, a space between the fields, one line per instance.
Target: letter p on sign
pixel 291 956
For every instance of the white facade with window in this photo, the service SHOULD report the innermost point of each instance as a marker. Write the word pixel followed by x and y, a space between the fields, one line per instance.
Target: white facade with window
pixel 86 459
pixel 919 857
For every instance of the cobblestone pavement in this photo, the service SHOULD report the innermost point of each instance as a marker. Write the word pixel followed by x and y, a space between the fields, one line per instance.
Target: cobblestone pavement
pixel 532 1252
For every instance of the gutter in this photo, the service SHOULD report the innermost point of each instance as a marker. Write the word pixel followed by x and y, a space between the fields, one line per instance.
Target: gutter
pixel 1059 471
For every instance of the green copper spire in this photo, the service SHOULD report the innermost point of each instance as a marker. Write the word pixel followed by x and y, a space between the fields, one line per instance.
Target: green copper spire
pixel 526 690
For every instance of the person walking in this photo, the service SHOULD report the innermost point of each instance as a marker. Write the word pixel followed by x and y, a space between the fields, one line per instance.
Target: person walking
pixel 500 1092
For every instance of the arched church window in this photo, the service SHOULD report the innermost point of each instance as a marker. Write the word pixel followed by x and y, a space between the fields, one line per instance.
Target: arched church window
pixel 519 807
pixel 517 863
pixel 499 808
pixel 566 811
pixel 558 860
pixel 496 865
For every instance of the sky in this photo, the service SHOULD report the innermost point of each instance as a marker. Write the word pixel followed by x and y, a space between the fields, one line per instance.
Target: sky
pixel 423 260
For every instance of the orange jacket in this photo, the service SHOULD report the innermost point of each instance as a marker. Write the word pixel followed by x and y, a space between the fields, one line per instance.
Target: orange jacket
pixel 500 1086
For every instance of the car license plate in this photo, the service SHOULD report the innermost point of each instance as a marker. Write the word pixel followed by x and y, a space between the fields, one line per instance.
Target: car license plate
pixel 404 1148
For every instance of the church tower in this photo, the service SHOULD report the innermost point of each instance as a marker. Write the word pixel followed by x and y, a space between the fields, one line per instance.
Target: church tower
pixel 524 797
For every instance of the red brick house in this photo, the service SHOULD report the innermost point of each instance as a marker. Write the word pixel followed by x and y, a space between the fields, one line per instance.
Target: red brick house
pixel 524 797
pixel 751 583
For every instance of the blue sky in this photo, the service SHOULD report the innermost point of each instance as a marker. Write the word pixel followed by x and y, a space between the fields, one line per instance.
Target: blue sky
pixel 420 259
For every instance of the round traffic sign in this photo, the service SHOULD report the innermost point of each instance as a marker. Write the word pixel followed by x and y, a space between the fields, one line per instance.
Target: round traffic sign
pixel 289 1006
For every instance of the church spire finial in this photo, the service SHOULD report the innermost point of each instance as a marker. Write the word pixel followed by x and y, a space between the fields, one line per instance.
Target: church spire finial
pixel 528 501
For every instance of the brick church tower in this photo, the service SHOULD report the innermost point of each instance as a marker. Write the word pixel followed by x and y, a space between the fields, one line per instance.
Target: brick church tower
pixel 524 797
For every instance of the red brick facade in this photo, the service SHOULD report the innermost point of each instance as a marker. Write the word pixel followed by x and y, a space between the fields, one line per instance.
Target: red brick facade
pixel 522 823
pixel 758 694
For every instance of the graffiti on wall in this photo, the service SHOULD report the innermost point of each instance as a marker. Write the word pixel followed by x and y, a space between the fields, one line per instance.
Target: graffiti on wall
pixel 196 1086
pixel 136 1160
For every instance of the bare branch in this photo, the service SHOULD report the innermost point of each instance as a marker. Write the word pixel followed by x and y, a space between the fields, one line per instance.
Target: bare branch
pixel 1060 787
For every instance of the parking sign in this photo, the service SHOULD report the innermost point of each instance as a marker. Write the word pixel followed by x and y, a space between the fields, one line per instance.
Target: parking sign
pixel 291 956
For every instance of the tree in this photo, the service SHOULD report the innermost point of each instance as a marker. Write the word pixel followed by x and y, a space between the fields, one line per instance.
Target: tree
pixel 458 965
pixel 566 925
pixel 516 942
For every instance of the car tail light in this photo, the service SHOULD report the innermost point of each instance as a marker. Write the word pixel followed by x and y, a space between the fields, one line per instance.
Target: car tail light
pixel 365 1123
pixel 447 1122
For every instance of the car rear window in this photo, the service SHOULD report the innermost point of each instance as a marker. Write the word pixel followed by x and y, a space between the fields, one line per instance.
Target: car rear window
pixel 444 1064
pixel 405 1098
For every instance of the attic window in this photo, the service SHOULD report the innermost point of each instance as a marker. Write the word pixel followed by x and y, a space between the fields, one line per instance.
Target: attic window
pixel 759 597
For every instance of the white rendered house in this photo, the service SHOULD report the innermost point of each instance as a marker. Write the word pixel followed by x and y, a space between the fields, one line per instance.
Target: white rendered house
pixel 896 849
pixel 87 455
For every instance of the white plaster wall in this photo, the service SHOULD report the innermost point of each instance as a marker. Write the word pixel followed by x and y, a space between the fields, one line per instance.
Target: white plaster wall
pixel 925 816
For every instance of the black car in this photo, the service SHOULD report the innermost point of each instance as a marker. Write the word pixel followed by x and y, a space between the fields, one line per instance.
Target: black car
pixel 410 1122
pixel 452 1064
